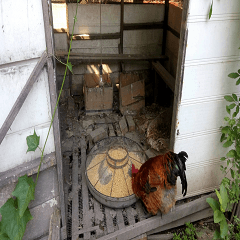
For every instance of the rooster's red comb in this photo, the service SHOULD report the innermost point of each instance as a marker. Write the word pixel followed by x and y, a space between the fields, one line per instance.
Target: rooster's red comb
pixel 134 170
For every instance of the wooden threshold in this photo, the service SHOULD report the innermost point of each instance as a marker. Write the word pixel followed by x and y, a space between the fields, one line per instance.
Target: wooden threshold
pixel 165 75
pixel 106 58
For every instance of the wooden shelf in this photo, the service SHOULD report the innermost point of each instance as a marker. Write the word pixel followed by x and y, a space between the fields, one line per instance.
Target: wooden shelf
pixel 106 58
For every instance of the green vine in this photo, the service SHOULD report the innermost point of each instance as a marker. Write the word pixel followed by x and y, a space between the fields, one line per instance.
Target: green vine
pixel 15 212
pixel 229 187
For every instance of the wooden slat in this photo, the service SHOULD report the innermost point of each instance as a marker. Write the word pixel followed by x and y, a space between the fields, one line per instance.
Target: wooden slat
pixel 48 27
pixel 191 218
pixel 142 26
pixel 167 236
pixel 55 227
pixel 98 218
pixel 109 220
pixel 165 75
pixel 156 221
pixel 174 32
pixel 75 188
pixel 120 220
pixel 92 58
pixel 86 213
pixel 96 36
pixel 22 96
pixel 141 213
pixel 130 215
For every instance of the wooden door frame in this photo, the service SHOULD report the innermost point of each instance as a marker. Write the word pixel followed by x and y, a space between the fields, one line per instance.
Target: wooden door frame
pixel 180 73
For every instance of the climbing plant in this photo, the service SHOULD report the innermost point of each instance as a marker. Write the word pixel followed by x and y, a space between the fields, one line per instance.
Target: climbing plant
pixel 15 212
pixel 229 187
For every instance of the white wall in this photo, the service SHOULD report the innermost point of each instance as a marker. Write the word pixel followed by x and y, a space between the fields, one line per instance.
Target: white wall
pixel 22 40
pixel 211 54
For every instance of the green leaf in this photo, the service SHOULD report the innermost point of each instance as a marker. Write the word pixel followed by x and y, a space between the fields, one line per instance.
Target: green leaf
pixel 210 11
pixel 229 98
pixel 238 82
pixel 234 97
pixel 213 204
pixel 69 65
pixel 219 197
pixel 237 109
pixel 223 137
pixel 32 142
pixel 24 192
pixel 222 158
pixel 239 69
pixel 231 106
pixel 216 235
pixel 228 110
pixel 224 196
pixel 3 236
pixel 225 129
pixel 218 216
pixel 227 144
pixel 232 173
pixel 233 75
pixel 232 153
pixel 223 228
pixel 12 224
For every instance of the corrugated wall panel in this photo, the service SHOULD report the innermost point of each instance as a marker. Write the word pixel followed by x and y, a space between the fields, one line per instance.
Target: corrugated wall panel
pixel 211 54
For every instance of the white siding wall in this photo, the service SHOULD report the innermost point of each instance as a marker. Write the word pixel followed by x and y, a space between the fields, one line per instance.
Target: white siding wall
pixel 211 54
pixel 22 40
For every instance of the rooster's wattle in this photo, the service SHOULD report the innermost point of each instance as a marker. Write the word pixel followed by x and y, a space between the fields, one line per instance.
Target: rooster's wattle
pixel 155 182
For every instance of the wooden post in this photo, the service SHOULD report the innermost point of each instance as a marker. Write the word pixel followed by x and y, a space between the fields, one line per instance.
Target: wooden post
pixel 53 99
pixel 165 27
pixel 121 34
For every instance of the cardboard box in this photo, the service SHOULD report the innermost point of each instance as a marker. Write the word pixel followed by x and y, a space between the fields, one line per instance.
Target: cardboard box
pixel 97 99
pixel 132 93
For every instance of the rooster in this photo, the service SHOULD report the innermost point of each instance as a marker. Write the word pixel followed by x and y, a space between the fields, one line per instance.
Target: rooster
pixel 155 182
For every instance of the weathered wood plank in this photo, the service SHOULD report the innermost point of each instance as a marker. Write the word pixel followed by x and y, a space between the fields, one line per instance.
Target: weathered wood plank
pixel 191 218
pixel 140 211
pixel 29 168
pixel 22 96
pixel 98 218
pixel 142 26
pixel 86 213
pixel 55 228
pixel 87 230
pixel 165 75
pixel 156 221
pixel 106 58
pixel 161 236
pixel 48 28
pixel 109 220
pixel 130 215
pixel 120 219
pixel 75 188
pixel 174 32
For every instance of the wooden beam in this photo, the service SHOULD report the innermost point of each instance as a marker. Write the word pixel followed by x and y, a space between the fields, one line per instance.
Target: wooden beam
pixel 48 27
pixel 96 36
pixel 165 27
pixel 165 75
pixel 22 96
pixel 106 58
pixel 156 221
pixel 174 32
pixel 208 212
pixel 142 26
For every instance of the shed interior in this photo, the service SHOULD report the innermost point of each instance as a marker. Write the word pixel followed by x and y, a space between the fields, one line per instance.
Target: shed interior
pixel 137 44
